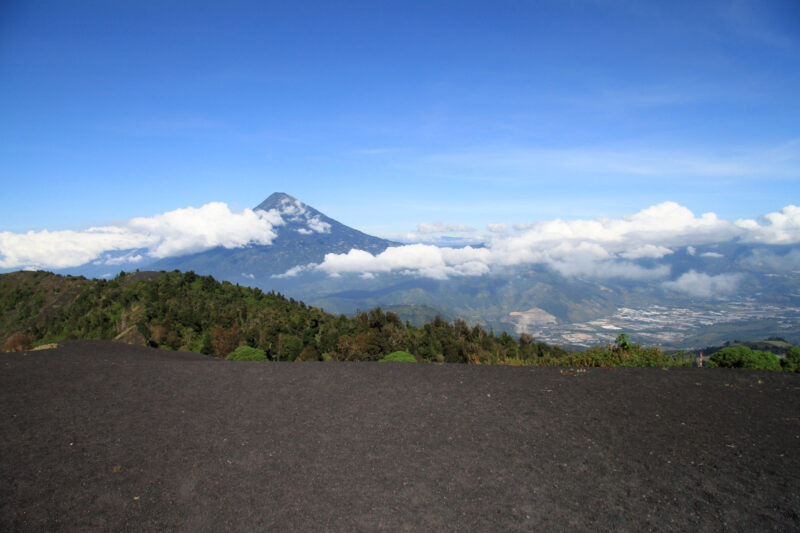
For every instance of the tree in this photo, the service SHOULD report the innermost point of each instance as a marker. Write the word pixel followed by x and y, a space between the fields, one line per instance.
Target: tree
pixel 791 363
pixel 224 341
pixel 622 342
pixel 247 353
pixel 346 348
pixel 744 357
pixel 289 347
pixel 308 354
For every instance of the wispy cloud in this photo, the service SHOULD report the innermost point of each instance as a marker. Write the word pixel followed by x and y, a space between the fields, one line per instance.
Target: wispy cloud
pixel 750 20
pixel 441 227
pixel 703 285
pixel 780 161
pixel 379 150
pixel 499 227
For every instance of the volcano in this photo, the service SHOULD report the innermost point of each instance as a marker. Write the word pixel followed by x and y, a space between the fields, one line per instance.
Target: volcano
pixel 305 236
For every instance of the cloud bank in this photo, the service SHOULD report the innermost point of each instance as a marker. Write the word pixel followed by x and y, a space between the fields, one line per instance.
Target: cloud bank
pixel 182 231
pixel 178 232
pixel 626 247
pixel 599 248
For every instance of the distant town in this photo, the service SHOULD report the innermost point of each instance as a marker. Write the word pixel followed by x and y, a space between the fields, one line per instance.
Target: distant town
pixel 667 326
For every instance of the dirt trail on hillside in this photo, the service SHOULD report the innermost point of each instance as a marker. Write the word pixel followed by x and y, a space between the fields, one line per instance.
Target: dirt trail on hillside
pixel 105 436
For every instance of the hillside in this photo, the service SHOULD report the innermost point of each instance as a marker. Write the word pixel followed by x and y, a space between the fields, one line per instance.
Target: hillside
pixel 184 311
pixel 187 312
pixel 31 300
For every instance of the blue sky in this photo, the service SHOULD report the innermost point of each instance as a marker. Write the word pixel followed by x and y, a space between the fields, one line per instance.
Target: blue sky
pixel 385 115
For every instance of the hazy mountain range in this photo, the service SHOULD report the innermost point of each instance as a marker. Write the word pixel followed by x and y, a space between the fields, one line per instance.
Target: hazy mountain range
pixel 662 275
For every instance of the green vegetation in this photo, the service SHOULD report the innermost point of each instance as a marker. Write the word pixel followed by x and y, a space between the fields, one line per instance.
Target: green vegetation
pixel 184 311
pixel 791 363
pixel 744 357
pixel 399 357
pixel 777 345
pixel 622 353
pixel 622 342
pixel 246 353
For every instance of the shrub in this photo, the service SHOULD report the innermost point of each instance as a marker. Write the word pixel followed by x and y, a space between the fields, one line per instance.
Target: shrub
pixel 159 334
pixel 17 342
pixel 399 357
pixel 308 354
pixel 744 357
pixel 289 347
pixel 247 353
pixel 762 361
pixel 609 356
pixel 791 363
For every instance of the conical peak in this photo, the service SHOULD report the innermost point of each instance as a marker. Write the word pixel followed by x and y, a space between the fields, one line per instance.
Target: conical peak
pixel 277 200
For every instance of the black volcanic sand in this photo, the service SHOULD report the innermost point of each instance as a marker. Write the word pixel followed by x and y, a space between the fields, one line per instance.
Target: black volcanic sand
pixel 107 436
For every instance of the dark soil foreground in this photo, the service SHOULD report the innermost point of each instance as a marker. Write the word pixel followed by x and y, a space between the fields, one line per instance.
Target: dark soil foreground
pixel 108 436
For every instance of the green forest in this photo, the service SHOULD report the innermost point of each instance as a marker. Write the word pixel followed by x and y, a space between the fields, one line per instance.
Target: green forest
pixel 185 311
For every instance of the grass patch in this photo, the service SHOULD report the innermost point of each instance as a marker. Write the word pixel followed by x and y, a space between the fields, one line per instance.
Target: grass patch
pixel 399 357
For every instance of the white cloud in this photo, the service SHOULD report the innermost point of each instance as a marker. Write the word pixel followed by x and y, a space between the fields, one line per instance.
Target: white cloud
pixel 441 227
pixel 193 230
pixel 602 247
pixel 61 249
pixel 315 224
pixel 497 228
pixel 782 227
pixel 130 257
pixel 610 269
pixel 702 285
pixel 715 255
pixel 422 259
pixel 292 210
pixel 650 251
pixel 294 271
pixel 177 232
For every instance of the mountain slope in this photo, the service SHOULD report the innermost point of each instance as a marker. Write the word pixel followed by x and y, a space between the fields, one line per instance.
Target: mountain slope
pixel 184 311
pixel 305 237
